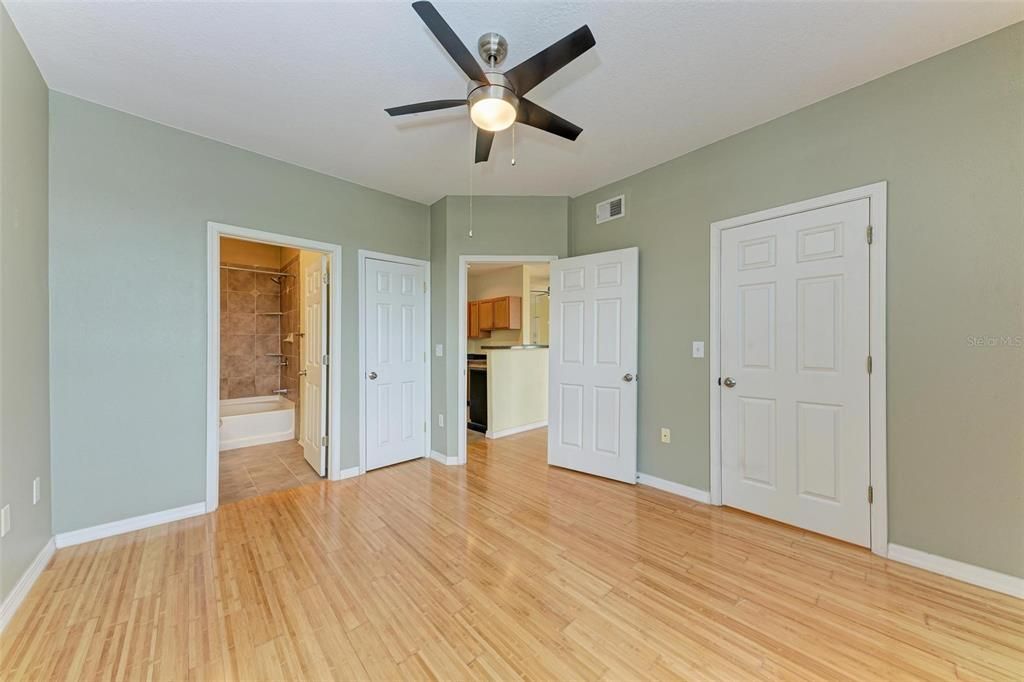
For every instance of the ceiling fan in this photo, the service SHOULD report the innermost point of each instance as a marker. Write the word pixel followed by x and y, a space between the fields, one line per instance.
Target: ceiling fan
pixel 495 99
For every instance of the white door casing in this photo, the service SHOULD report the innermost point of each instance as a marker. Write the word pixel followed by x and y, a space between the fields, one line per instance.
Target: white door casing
pixel 395 378
pixel 313 375
pixel 795 340
pixel 593 364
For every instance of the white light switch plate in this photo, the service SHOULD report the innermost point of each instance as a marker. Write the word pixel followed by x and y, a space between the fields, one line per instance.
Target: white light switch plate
pixel 5 520
pixel 439 350
pixel 698 349
pixel 35 491
pixel 440 420
pixel 666 435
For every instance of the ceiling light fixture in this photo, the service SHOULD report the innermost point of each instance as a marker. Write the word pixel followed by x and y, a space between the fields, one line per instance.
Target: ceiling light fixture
pixel 493 107
pixel 497 101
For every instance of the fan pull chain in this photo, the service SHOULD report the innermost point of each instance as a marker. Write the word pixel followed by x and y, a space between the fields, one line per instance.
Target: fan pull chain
pixel 513 144
pixel 472 168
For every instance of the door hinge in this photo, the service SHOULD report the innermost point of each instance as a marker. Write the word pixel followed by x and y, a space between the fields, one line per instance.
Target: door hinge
pixel 323 441
pixel 870 364
pixel 870 234
pixel 424 427
pixel 326 278
pixel 327 359
pixel 871 494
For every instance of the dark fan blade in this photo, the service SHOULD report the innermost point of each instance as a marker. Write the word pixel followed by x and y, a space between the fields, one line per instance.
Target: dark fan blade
pixel 425 106
pixel 449 41
pixel 549 60
pixel 484 139
pixel 539 117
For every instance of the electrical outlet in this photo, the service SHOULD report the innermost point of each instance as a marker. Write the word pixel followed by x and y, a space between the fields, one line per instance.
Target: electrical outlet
pixel 439 350
pixel 5 520
pixel 698 349
pixel 666 435
pixel 35 491
pixel 440 420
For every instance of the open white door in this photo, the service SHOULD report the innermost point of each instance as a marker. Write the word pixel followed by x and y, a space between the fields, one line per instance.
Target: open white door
pixel 593 364
pixel 313 375
pixel 396 363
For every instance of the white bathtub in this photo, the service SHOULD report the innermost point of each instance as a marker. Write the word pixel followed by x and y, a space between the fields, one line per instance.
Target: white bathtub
pixel 255 421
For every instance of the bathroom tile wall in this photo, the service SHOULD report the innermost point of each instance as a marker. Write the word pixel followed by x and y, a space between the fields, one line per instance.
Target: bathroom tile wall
pixel 290 290
pixel 248 334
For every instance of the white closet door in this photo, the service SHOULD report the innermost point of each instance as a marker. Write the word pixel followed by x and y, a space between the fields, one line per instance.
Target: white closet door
pixel 395 381
pixel 794 348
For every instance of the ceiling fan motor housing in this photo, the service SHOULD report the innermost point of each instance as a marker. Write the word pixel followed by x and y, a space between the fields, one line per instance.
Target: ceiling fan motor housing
pixel 498 88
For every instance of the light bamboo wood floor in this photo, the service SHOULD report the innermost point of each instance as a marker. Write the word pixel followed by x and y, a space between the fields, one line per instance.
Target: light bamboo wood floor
pixel 503 569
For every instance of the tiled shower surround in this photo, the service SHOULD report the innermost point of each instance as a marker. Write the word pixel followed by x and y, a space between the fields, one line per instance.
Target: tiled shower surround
pixel 250 332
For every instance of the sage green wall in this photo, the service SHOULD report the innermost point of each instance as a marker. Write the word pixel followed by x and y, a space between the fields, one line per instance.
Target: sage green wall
pixel 502 226
pixel 438 323
pixel 948 136
pixel 129 203
pixel 24 327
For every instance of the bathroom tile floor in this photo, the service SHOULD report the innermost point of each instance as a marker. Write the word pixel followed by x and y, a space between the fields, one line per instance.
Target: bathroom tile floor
pixel 261 469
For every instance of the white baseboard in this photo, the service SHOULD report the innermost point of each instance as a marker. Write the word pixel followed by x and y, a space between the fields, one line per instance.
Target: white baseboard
pixel 968 573
pixel 347 473
pixel 675 488
pixel 106 530
pixel 515 429
pixel 25 582
pixel 443 459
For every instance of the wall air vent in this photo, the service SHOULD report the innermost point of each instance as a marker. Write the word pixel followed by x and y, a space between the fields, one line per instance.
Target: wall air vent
pixel 611 209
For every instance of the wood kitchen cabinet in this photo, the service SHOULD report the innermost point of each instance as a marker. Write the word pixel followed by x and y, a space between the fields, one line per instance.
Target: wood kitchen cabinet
pixel 487 314
pixel 508 312
pixel 473 322
pixel 504 312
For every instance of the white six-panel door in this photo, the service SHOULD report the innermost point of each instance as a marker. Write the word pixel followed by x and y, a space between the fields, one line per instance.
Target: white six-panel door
pixel 794 348
pixel 395 381
pixel 313 374
pixel 593 364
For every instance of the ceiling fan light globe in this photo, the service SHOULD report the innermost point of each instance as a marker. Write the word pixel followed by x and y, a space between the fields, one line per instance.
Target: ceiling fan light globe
pixel 493 114
pixel 493 106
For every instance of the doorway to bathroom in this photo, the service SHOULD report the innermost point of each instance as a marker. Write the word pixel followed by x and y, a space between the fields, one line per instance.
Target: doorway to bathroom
pixel 272 414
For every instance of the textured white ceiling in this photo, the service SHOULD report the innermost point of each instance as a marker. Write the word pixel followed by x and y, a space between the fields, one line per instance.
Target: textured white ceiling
pixel 308 82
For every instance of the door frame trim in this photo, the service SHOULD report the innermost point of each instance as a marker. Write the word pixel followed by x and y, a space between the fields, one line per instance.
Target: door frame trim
pixel 876 194
pixel 214 231
pixel 460 376
pixel 363 256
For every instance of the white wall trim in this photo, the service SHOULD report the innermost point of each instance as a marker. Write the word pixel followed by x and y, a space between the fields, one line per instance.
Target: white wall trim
pixel 443 459
pixel 968 573
pixel 348 473
pixel 675 488
pixel 363 256
pixel 516 429
pixel 460 377
pixel 106 530
pixel 877 197
pixel 24 585
pixel 214 231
